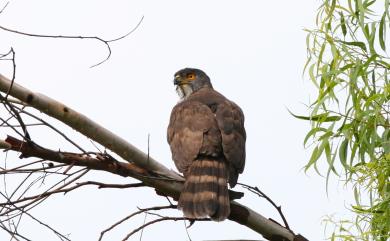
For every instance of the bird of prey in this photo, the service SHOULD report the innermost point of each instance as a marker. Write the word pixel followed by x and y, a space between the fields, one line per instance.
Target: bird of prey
pixel 207 139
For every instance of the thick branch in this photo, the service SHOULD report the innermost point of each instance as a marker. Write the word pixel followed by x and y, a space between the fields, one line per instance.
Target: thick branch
pixel 102 162
pixel 85 126
pixel 168 182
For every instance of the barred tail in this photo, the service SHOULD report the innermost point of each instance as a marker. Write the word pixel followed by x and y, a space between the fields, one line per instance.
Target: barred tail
pixel 205 192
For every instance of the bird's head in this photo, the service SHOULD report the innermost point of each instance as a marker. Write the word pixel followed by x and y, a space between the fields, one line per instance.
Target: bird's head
pixel 190 80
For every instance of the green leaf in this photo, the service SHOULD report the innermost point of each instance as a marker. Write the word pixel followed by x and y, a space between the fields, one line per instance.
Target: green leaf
pixel 382 32
pixel 360 11
pixel 330 159
pixel 353 153
pixel 386 141
pixel 332 7
pixel 366 31
pixel 343 26
pixel 319 61
pixel 345 67
pixel 371 39
pixel 312 76
pixel 356 44
pixel 369 60
pixel 320 118
pixel 368 3
pixel 312 132
pixel 356 195
pixel 343 152
pixel 314 156
pixel 387 65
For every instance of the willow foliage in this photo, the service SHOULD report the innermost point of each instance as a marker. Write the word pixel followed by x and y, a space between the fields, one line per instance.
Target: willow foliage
pixel 349 64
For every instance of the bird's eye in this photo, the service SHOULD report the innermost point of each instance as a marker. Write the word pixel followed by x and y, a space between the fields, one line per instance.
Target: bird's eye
pixel 191 76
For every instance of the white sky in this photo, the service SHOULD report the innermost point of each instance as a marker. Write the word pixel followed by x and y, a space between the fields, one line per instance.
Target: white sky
pixel 254 52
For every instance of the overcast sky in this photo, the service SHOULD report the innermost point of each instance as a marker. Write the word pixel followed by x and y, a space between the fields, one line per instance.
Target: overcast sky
pixel 253 51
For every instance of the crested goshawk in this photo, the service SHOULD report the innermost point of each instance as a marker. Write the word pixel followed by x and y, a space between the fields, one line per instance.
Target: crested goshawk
pixel 207 139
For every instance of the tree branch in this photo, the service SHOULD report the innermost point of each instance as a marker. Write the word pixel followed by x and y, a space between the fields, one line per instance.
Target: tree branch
pixel 156 221
pixel 105 42
pixel 141 210
pixel 85 126
pixel 258 192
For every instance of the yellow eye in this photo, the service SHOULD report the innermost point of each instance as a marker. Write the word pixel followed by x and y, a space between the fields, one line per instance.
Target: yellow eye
pixel 191 76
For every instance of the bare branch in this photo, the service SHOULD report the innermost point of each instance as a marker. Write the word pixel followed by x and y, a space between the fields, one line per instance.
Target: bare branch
pixel 132 215
pixel 61 236
pixel 105 42
pixel 5 6
pixel 34 202
pixel 51 127
pixel 13 234
pixel 106 185
pixel 10 108
pixel 159 220
pixel 86 127
pixel 99 162
pixel 78 185
pixel 261 194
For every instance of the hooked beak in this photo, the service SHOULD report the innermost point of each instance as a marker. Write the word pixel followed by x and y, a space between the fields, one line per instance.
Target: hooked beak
pixel 176 81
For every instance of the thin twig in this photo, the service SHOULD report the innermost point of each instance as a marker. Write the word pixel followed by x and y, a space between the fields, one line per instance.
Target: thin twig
pixel 52 127
pixel 10 107
pixel 61 236
pixel 5 6
pixel 13 71
pixel 258 192
pixel 132 215
pixel 159 220
pixel 105 42
pixel 42 197
pixel 142 231
pixel 78 185
pixel 186 228
pixel 2 226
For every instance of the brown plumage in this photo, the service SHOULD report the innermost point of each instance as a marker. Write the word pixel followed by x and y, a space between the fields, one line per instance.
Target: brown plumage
pixel 207 139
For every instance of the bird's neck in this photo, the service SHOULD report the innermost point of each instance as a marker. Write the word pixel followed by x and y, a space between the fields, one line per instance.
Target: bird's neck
pixel 185 91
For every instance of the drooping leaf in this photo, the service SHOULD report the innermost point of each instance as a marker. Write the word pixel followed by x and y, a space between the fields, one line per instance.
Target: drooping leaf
pixel 342 23
pixel 312 132
pixel 356 44
pixel 343 152
pixel 313 158
pixel 386 141
pixel 320 117
pixel 371 39
pixel 312 76
pixel 382 32
pixel 366 4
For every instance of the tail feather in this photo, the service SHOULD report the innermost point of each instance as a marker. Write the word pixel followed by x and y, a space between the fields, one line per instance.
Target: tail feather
pixel 205 192
pixel 223 210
